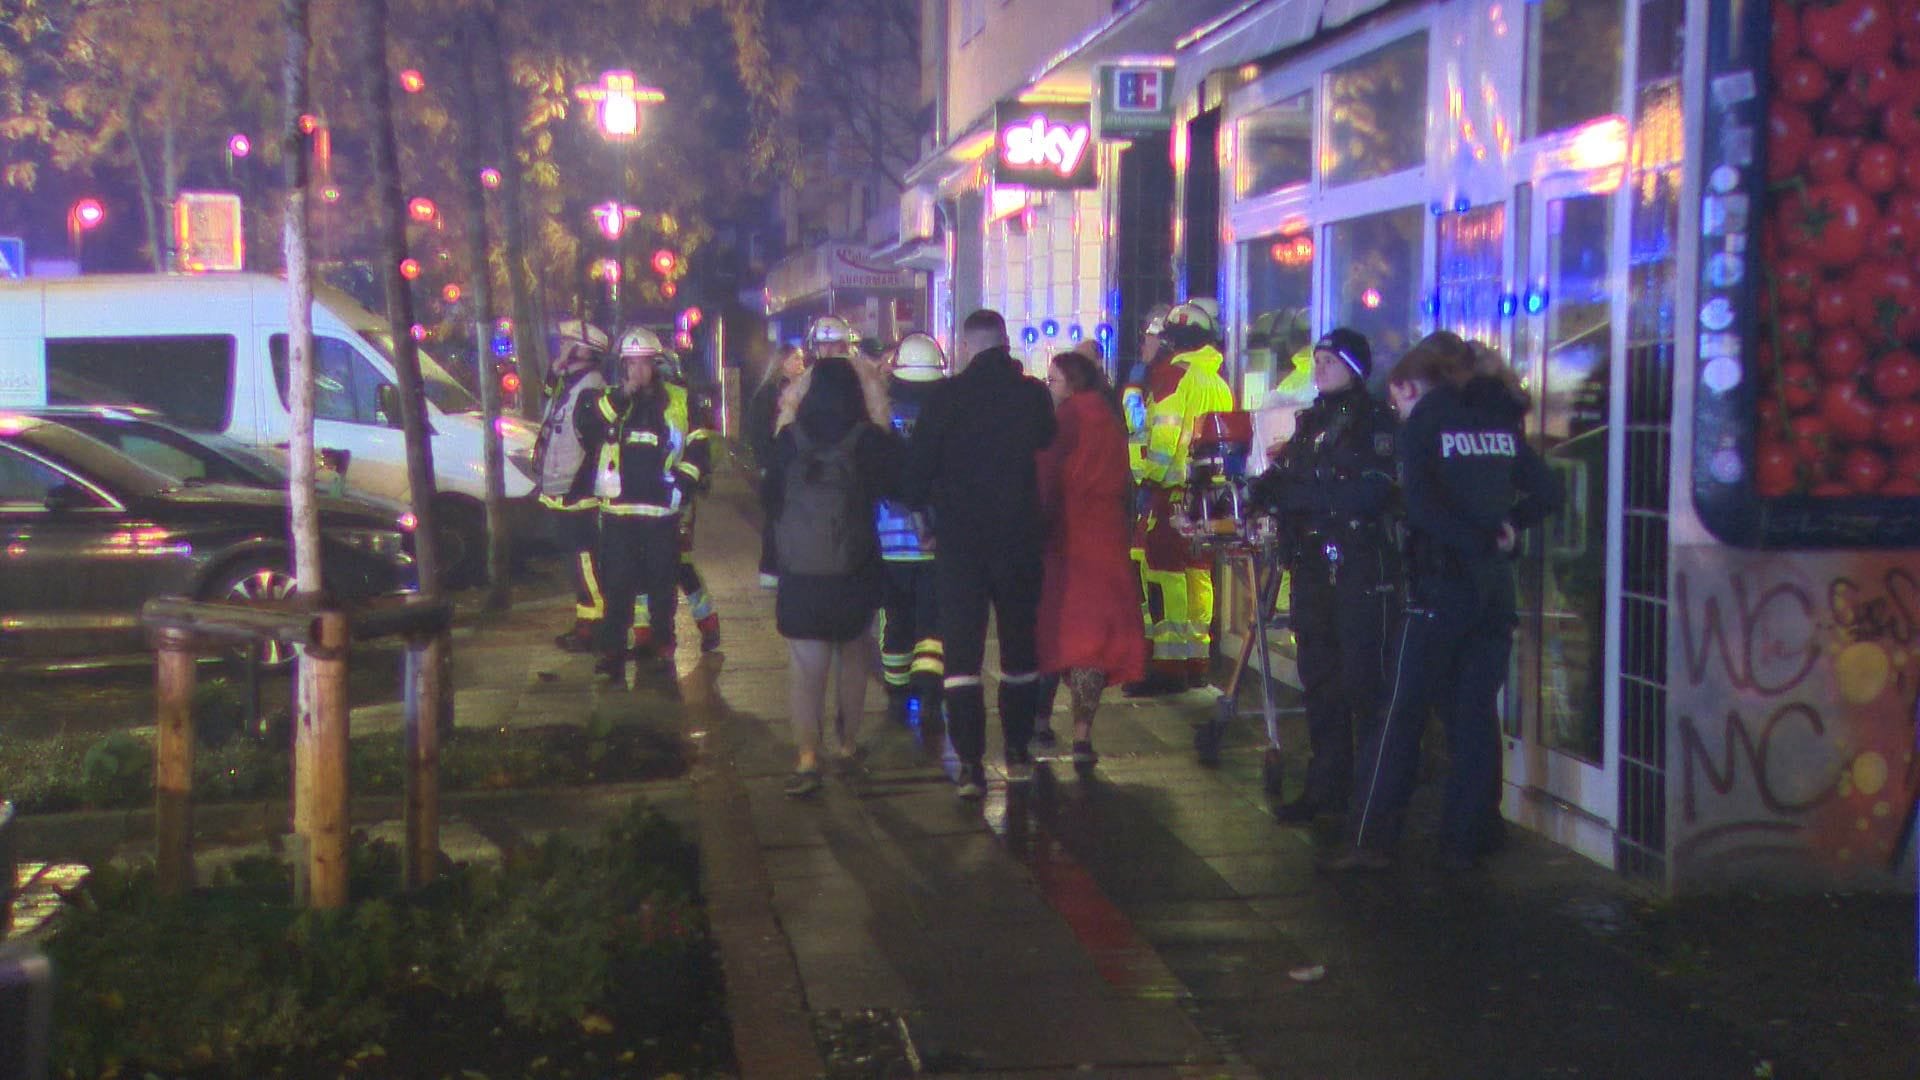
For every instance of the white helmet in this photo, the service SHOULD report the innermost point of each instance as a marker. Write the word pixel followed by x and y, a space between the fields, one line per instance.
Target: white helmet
pixel 580 332
pixel 640 341
pixel 830 335
pixel 1209 305
pixel 1156 319
pixel 918 359
pixel 1193 316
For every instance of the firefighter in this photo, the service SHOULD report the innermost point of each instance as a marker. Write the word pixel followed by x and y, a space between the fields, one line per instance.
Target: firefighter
pixel 691 413
pixel 564 462
pixel 1178 588
pixel 1332 487
pixel 641 490
pixel 1133 396
pixel 1470 483
pixel 910 650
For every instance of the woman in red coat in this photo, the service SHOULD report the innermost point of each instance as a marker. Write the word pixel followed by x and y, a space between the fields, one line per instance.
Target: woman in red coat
pixel 1090 634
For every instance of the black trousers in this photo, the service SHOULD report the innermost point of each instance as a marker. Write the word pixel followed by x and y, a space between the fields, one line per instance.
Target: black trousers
pixel 638 560
pixel 577 532
pixel 1452 660
pixel 910 648
pixel 1342 620
pixel 1003 582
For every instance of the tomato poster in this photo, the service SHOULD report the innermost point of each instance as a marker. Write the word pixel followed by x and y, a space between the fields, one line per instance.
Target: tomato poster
pixel 1809 410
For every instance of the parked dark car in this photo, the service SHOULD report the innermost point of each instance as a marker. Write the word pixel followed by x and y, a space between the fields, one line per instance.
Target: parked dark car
pixel 88 535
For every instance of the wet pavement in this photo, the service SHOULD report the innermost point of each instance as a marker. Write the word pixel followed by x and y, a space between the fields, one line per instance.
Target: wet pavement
pixel 1144 918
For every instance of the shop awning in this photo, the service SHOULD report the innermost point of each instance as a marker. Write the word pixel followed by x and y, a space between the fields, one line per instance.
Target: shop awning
pixel 831 267
pixel 1259 29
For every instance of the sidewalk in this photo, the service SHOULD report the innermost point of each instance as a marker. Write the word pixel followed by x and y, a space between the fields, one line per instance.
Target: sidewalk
pixel 1146 920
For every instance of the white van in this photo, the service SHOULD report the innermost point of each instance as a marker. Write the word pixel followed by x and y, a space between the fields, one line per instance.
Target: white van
pixel 210 352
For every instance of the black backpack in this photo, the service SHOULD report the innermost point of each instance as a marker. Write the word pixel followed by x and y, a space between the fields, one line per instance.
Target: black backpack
pixel 826 523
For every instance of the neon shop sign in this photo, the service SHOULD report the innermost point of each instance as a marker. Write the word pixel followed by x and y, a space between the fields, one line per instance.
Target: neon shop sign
pixel 1044 146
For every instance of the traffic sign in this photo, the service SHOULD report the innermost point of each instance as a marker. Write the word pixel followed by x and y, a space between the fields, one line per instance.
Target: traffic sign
pixel 13 257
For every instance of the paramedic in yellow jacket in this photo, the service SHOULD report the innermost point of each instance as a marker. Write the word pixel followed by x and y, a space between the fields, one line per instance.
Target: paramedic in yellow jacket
pixel 1179 587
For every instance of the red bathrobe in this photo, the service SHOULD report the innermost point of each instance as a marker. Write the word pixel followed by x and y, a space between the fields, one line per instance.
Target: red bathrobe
pixel 1090 600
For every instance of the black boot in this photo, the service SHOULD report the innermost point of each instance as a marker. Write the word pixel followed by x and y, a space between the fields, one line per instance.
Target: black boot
pixel 614 666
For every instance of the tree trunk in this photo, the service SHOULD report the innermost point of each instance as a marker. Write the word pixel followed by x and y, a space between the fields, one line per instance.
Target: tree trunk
pixel 300 493
pixel 144 177
pixel 169 191
pixel 529 316
pixel 400 316
pixel 472 160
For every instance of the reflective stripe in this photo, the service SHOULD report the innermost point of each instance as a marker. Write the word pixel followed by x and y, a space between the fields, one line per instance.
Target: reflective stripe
pixel 596 607
pixel 1157 457
pixel 897 678
pixel 960 682
pixel 1020 680
pixel 689 470
pixel 929 647
pixel 895 660
pixel 929 665
pixel 643 438
pixel 606 409
pixel 639 510
pixel 552 503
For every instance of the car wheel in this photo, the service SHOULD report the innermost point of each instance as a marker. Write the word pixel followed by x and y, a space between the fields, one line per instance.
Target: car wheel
pixel 254 583
pixel 461 531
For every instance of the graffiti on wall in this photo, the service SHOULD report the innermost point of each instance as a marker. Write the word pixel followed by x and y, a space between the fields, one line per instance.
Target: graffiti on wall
pixel 1793 682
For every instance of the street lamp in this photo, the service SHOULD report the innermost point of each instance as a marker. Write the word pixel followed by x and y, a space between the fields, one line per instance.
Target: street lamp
pixel 83 217
pixel 617 98
pixel 613 218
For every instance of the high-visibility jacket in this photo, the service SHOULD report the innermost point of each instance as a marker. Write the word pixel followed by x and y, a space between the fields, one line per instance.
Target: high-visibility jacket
pixel 640 452
pixel 692 416
pixel 562 456
pixel 906 535
pixel 1171 416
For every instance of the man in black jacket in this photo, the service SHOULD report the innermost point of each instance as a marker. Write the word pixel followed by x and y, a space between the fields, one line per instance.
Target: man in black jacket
pixel 1332 487
pixel 972 462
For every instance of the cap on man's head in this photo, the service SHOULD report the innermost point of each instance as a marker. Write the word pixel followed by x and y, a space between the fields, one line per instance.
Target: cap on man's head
pixel 1351 347
pixel 581 332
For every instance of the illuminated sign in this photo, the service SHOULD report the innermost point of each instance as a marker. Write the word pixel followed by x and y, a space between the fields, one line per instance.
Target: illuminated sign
pixel 207 232
pixel 1135 99
pixel 1044 146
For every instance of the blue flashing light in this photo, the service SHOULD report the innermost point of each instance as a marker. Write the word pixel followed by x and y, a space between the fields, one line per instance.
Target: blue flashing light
pixel 1536 301
pixel 1030 336
pixel 1431 305
pixel 1462 205
pixel 1075 334
pixel 1437 207
pixel 1509 304
pixel 502 345
pixel 1051 328
pixel 1104 332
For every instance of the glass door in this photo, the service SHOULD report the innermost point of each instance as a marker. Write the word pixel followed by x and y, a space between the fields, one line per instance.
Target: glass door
pixel 1569 327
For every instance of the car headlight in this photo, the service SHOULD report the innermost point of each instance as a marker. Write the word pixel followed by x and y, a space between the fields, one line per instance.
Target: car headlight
pixel 380 543
pixel 522 459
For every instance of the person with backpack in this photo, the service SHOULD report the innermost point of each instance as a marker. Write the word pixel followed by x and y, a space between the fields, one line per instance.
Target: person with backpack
pixel 833 458
pixel 973 462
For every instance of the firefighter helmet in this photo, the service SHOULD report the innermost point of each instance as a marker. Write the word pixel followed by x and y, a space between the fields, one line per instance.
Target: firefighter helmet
pixel 572 332
pixel 918 359
pixel 640 341
pixel 830 335
pixel 1156 319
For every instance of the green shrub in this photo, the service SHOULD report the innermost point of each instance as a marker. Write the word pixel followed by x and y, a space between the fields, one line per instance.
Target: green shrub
pixel 219 712
pixel 234 980
pixel 118 768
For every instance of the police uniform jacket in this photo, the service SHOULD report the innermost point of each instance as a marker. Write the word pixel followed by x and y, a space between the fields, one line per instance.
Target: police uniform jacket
pixel 972 458
pixel 1466 470
pixel 566 459
pixel 639 450
pixel 1333 481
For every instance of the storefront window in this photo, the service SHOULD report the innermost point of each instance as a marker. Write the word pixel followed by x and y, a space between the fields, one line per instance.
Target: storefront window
pixel 1279 328
pixel 1574 55
pixel 1373 272
pixel 1276 147
pixel 1470 275
pixel 1376 113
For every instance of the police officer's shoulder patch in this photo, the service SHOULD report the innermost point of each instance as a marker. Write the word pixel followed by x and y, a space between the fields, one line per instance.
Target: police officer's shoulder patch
pixel 1383 443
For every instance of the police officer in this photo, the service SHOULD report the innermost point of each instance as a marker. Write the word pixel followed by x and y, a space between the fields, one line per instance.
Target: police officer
pixel 1332 487
pixel 641 492
pixel 910 651
pixel 564 462
pixel 1469 482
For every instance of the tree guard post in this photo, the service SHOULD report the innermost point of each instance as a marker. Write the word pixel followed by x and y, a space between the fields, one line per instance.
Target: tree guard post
pixel 320 791
pixel 426 694
pixel 173 761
